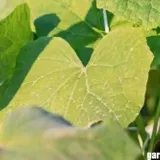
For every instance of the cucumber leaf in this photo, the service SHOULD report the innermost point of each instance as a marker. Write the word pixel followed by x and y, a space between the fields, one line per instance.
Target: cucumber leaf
pixel 113 83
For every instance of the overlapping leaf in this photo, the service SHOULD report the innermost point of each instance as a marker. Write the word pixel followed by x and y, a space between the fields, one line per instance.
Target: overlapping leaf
pixel 144 12
pixel 113 83
pixel 32 133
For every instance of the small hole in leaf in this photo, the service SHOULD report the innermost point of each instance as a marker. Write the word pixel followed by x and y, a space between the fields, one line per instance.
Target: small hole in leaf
pixel 95 124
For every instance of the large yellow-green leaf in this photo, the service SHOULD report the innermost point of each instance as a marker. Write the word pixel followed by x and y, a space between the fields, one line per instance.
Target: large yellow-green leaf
pixel 32 133
pixel 113 83
pixel 143 12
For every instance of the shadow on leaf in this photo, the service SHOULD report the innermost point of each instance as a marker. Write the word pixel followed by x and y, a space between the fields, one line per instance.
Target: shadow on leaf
pixel 46 23
pixel 18 76
pixel 81 36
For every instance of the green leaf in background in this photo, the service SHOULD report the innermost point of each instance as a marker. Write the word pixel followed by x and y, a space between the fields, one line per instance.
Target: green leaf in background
pixel 154 44
pixel 76 21
pixel 113 83
pixel 32 133
pixel 15 32
pixel 153 85
pixel 143 12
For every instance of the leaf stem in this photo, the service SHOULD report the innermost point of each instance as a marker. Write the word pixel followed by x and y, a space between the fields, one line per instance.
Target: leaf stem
pixel 155 127
pixel 142 133
pixel 141 127
pixel 106 25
